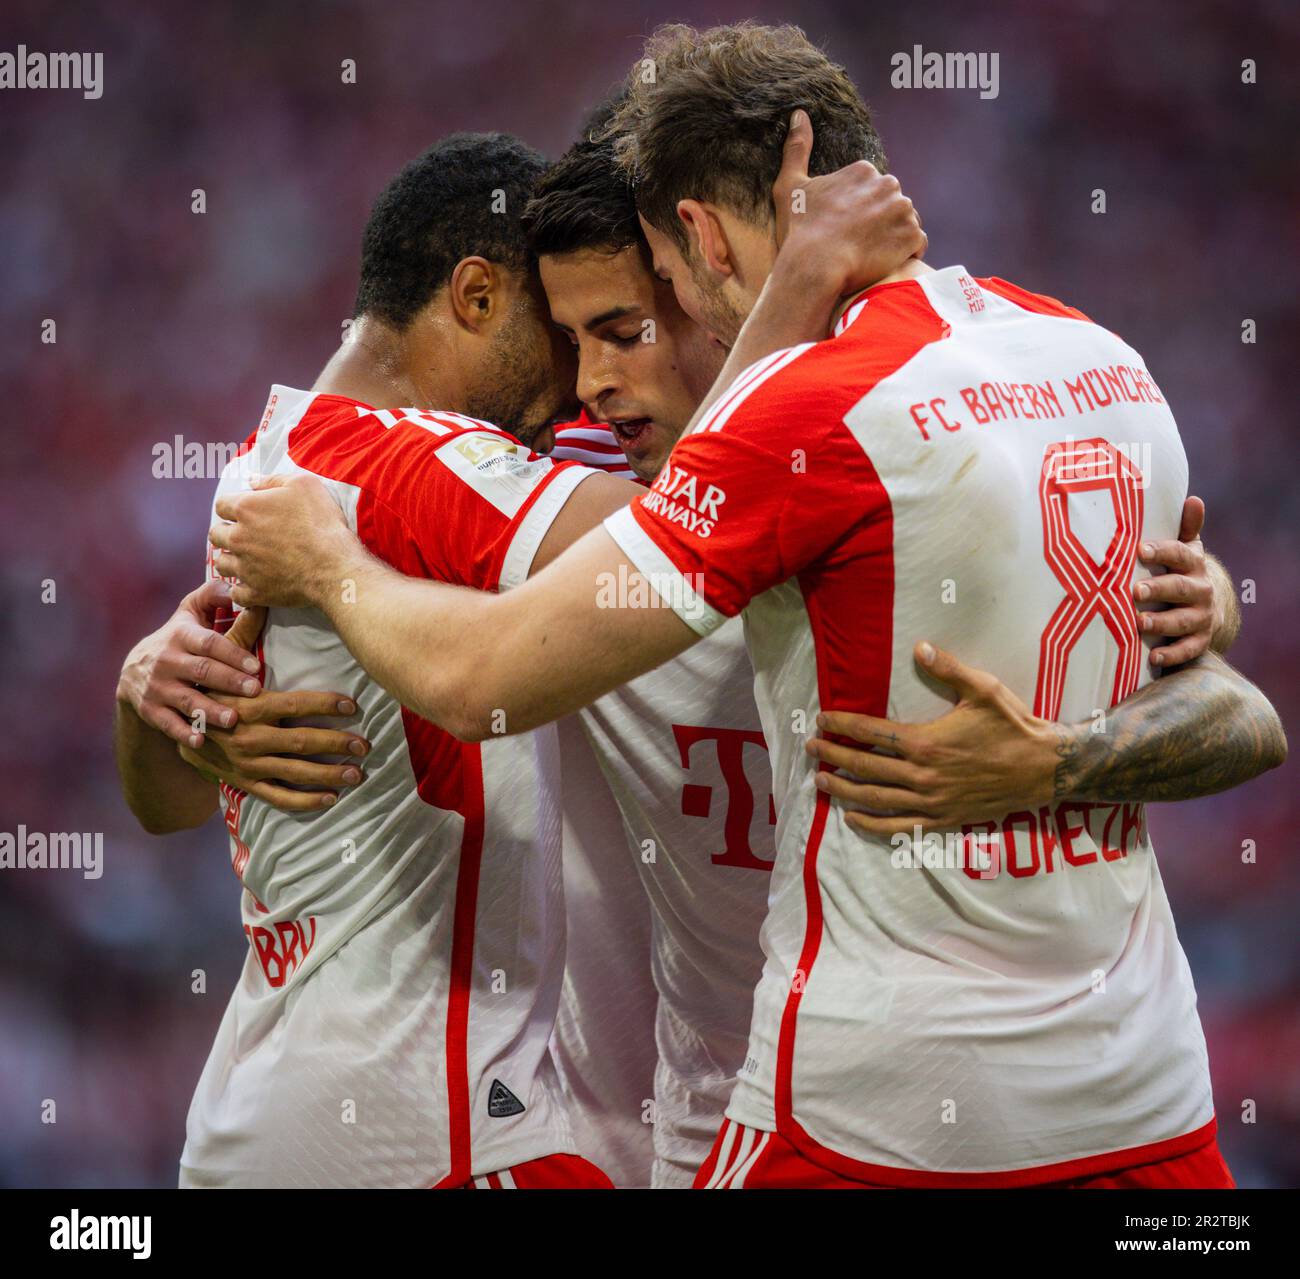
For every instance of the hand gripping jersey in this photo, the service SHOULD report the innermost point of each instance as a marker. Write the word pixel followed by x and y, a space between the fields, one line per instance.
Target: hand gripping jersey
pixel 406 946
pixel 971 464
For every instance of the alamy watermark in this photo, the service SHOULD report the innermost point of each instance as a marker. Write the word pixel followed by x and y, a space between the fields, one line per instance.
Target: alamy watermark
pixel 182 459
pixel 921 70
pixel 628 588
pixel 30 69
pixel 60 850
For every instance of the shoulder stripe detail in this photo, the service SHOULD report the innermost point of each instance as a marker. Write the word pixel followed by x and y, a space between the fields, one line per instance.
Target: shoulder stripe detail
pixel 534 519
pixel 597 461
pixel 389 418
pixel 596 434
pixel 850 315
pixel 1039 303
pixel 438 422
pixel 746 377
pixel 753 377
pixel 741 382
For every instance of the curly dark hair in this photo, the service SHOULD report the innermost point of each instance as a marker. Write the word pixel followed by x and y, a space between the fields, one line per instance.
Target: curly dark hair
pixel 463 197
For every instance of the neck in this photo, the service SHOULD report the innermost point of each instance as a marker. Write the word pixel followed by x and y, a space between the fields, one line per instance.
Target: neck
pixel 910 270
pixel 376 364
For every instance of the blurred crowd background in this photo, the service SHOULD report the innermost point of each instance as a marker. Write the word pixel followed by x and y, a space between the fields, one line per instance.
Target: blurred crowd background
pixel 171 322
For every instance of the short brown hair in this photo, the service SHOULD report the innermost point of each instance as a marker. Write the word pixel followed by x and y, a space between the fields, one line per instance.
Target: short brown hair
pixel 706 114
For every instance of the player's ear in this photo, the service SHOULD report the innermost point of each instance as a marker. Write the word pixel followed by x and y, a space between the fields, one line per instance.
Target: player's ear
pixel 705 232
pixel 475 292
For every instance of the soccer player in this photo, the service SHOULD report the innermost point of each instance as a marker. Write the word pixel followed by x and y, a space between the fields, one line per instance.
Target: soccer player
pixel 643 367
pixel 682 747
pixel 704 864
pixel 950 433
pixel 406 954
pixel 390 1027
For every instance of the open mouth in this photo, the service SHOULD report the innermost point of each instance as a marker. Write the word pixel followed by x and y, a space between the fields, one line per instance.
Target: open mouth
pixel 631 429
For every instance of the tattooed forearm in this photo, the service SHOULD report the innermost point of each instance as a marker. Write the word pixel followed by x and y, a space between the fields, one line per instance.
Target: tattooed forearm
pixel 1199 729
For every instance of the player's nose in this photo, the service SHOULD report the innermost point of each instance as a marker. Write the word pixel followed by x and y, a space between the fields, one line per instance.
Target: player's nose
pixel 596 381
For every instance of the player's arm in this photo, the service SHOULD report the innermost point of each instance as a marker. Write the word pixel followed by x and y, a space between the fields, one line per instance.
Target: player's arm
pixel 476 663
pixel 157 692
pixel 1199 729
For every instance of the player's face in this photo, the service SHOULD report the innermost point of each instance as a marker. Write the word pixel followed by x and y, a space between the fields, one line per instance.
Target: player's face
pixel 643 364
pixel 525 379
pixel 703 297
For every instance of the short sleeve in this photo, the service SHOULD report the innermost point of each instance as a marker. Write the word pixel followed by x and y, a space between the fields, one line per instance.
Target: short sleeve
pixel 499 499
pixel 443 497
pixel 763 486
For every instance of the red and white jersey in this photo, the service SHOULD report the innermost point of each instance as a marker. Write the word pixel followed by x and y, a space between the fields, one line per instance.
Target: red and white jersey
pixel 974 465
pixel 604 1041
pixel 587 441
pixel 684 754
pixel 406 947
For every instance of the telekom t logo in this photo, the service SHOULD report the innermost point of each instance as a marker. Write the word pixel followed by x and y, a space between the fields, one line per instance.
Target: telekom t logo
pixel 697 800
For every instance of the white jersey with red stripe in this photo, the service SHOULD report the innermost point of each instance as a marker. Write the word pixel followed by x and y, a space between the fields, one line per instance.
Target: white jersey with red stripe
pixel 684 754
pixel 406 946
pixel 974 465
pixel 604 1041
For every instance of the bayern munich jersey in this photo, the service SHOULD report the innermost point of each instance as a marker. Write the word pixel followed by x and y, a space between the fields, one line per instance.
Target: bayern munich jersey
pixel 684 754
pixel 974 465
pixel 406 946
pixel 604 1041
pixel 585 440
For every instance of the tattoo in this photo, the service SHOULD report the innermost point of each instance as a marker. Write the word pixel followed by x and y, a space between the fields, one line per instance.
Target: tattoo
pixel 1067 753
pixel 1199 729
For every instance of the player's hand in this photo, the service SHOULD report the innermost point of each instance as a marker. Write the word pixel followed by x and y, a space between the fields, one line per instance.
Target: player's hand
pixel 258 755
pixel 286 542
pixel 1186 589
pixel 987 755
pixel 853 227
pixel 161 674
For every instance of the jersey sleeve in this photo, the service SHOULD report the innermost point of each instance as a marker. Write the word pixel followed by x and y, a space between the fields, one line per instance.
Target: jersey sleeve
pixel 487 506
pixel 444 497
pixel 767 483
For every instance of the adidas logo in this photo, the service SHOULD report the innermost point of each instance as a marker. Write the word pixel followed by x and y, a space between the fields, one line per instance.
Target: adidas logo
pixel 502 1103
